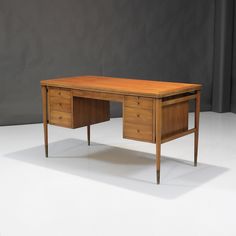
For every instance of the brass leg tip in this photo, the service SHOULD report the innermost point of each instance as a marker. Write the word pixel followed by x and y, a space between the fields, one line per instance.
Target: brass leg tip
pixel 158 177
pixel 46 151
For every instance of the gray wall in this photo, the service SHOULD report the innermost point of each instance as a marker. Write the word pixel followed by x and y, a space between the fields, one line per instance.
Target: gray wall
pixel 155 39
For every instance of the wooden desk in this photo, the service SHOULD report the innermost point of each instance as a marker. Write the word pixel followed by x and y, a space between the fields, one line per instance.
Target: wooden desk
pixel 153 111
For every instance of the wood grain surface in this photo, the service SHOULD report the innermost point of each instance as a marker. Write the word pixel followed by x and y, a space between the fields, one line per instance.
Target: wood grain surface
pixel 148 88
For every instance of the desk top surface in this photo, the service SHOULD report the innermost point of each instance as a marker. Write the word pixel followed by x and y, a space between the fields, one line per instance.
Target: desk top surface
pixel 148 88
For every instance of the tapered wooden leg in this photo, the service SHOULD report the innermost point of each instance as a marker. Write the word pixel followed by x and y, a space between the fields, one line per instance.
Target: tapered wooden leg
pixel 158 137
pixel 196 133
pixel 88 134
pixel 45 118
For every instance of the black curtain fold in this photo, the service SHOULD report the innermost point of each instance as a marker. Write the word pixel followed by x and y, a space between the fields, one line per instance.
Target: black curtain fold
pixel 223 47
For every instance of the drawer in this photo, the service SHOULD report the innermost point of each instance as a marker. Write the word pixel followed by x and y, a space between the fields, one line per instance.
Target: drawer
pixel 58 92
pixel 138 102
pixel 138 132
pixel 61 118
pixel 139 116
pixel 60 104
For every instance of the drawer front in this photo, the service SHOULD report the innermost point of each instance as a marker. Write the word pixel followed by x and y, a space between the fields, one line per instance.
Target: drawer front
pixel 60 104
pixel 138 102
pixel 138 116
pixel 58 92
pixel 61 118
pixel 138 132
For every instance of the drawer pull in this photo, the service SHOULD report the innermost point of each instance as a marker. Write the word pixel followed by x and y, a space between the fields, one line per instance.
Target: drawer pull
pixel 139 102
pixel 57 103
pixel 140 132
pixel 138 116
pixel 60 93
pixel 61 118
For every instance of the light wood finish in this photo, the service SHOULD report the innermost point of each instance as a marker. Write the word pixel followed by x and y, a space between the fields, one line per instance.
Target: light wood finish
pixel 138 102
pixel 75 112
pixel 196 133
pixel 138 119
pixel 98 95
pixel 146 88
pixel 58 92
pixel 179 100
pixel 175 119
pixel 61 118
pixel 45 118
pixel 138 132
pixel 60 104
pixel 177 135
pixel 138 116
pixel 60 107
pixel 153 111
pixel 158 138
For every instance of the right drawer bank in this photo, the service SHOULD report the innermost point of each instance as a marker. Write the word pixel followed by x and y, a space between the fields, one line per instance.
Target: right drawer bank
pixel 139 119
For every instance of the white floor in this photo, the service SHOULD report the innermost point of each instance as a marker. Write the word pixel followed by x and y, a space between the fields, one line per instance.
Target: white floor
pixel 109 188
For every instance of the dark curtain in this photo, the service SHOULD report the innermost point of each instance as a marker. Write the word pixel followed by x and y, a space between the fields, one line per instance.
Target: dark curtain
pixel 181 40
pixel 224 73
pixel 223 44
pixel 223 89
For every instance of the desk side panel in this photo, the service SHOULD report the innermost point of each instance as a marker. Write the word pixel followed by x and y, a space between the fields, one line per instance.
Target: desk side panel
pixel 175 119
